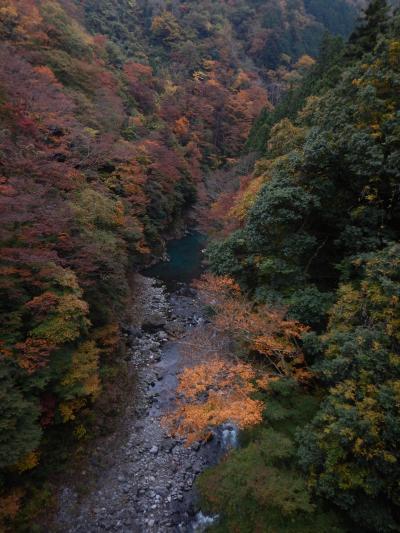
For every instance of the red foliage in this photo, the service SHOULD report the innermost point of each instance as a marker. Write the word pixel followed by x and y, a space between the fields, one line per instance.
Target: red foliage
pixel 141 84
pixel 33 354
pixel 97 161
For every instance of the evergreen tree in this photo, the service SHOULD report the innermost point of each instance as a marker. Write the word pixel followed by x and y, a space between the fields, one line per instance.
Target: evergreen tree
pixel 374 23
pixel 350 450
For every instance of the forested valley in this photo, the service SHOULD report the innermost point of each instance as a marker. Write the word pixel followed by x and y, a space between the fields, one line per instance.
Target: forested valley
pixel 272 127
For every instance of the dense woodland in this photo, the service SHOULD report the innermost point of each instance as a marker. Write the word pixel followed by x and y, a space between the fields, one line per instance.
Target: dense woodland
pixel 117 117
pixel 315 231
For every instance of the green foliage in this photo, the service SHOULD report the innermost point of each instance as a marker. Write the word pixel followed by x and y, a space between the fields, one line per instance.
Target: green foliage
pixel 322 237
pixel 309 19
pixel 350 450
pixel 259 486
pixel 20 433
pixel 366 34
pixel 346 164
pixel 323 75
pixel 310 306
pixel 111 112
pixel 274 236
pixel 337 17
pixel 83 378
pixel 118 19
pixel 66 33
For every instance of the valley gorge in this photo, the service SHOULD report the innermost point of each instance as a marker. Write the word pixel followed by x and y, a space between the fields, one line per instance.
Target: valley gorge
pixel 199 266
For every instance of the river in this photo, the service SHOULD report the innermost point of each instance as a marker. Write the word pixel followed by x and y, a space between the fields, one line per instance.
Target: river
pixel 184 264
pixel 140 479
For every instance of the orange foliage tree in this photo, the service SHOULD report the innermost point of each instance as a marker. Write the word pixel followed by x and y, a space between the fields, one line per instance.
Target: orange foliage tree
pixel 215 388
pixel 260 329
pixel 19 20
pixel 212 393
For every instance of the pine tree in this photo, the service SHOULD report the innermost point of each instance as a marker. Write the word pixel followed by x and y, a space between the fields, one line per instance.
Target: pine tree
pixel 365 36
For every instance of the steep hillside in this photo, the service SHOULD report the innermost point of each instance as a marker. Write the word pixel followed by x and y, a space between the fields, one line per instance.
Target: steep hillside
pixel 111 112
pixel 315 233
pixel 261 36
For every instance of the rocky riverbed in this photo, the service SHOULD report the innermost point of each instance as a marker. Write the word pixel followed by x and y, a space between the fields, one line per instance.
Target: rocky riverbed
pixel 144 479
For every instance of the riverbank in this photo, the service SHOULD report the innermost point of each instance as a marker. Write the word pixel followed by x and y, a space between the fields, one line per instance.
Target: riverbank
pixel 142 479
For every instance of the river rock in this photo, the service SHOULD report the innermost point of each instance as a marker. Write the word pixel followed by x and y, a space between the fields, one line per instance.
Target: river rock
pixel 148 488
pixel 162 335
pixel 154 321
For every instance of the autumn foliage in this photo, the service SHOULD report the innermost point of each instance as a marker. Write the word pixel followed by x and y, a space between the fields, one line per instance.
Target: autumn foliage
pixel 111 115
pixel 214 392
pixel 218 386
pixel 100 156
pixel 262 329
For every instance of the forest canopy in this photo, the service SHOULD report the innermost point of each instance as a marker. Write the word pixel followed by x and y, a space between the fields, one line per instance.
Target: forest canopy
pixel 316 229
pixel 117 117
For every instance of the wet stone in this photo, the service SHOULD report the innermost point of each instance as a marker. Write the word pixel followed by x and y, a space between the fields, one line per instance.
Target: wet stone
pixel 144 487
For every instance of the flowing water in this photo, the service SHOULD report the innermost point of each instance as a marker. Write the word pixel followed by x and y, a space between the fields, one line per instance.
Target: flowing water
pixel 184 264
pixel 142 479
